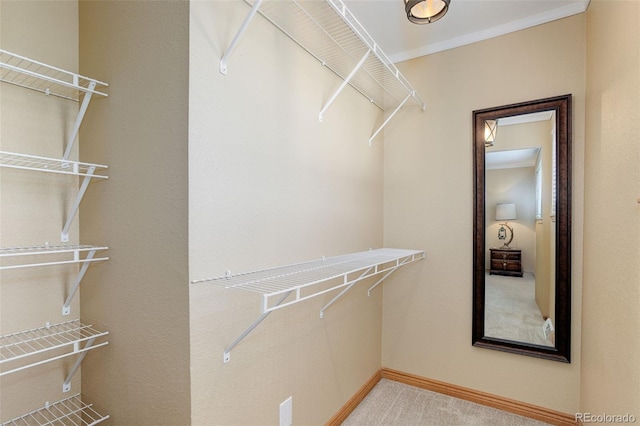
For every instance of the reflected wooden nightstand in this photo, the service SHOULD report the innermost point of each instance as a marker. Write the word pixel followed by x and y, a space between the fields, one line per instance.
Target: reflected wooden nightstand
pixel 506 262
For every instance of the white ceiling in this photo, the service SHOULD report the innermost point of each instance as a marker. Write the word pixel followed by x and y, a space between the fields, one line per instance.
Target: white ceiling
pixel 510 159
pixel 467 21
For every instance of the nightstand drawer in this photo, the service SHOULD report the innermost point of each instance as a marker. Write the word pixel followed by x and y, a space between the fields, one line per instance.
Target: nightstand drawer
pixel 505 265
pixel 506 255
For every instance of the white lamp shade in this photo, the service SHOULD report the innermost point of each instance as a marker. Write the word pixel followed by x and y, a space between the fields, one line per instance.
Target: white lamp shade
pixel 506 211
pixel 490 131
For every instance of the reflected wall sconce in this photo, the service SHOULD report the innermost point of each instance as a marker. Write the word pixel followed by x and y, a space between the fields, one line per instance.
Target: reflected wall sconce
pixel 490 131
pixel 505 212
pixel 425 11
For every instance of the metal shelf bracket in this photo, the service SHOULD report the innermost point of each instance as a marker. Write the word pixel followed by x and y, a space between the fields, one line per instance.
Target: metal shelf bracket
pixel 66 307
pixel 238 36
pixel 76 126
pixel 66 386
pixel 339 295
pixel 384 277
pixel 389 118
pixel 64 236
pixel 343 85
pixel 227 352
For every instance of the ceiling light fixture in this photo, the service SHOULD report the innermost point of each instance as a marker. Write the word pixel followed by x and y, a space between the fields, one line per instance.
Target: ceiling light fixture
pixel 425 11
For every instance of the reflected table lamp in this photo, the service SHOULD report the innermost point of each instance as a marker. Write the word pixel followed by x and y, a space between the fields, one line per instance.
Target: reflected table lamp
pixel 505 212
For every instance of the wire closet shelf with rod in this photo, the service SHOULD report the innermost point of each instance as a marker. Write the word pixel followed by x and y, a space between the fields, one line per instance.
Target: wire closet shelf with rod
pixel 287 285
pixel 329 32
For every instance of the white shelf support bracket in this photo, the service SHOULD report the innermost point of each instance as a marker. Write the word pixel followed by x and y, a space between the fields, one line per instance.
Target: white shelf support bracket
pixel 380 280
pixel 339 295
pixel 227 352
pixel 64 237
pixel 76 126
pixel 389 118
pixel 399 264
pixel 66 308
pixel 66 386
pixel 343 85
pixel 238 36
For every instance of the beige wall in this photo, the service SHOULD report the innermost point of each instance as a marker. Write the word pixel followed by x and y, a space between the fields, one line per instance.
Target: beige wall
pixel 514 185
pixel 546 236
pixel 428 165
pixel 33 205
pixel 271 185
pixel 611 330
pixel 313 202
pixel 141 294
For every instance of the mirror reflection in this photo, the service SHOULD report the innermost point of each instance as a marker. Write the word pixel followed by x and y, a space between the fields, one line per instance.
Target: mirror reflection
pixel 519 229
pixel 522 228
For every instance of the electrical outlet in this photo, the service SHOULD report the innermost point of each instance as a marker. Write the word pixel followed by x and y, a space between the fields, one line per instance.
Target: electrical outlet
pixel 286 412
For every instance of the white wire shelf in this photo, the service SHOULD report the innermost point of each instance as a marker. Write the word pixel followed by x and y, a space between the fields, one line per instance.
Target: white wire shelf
pixel 69 411
pixel 31 74
pixel 60 166
pixel 50 338
pixel 44 250
pixel 272 283
pixel 331 33
pixel 66 249
pixel 49 165
pixel 305 280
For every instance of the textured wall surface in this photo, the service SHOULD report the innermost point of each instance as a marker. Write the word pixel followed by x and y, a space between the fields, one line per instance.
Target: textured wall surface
pixel 429 164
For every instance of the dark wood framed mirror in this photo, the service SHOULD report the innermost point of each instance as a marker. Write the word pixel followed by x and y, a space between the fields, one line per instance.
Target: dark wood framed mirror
pixel 522 228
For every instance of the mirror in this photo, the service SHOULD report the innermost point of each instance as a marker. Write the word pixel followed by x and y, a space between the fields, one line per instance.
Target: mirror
pixel 522 228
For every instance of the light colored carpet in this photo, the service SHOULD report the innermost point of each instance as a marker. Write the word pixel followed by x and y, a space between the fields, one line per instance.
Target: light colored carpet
pixel 511 311
pixel 395 404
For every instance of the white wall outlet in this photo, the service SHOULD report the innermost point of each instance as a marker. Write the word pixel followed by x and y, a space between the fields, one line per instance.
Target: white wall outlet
pixel 286 412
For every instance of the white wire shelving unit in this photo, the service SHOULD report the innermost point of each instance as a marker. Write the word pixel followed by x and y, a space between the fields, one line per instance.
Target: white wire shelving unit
pixel 33 346
pixel 31 74
pixel 69 411
pixel 331 33
pixel 63 254
pixel 306 280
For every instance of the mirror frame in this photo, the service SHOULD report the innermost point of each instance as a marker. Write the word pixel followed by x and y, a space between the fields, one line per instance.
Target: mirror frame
pixel 562 350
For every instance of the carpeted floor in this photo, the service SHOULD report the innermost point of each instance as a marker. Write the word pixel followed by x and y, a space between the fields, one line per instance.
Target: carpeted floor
pixel 395 404
pixel 511 311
